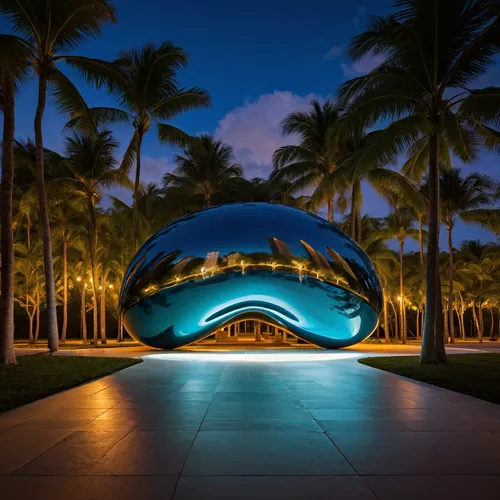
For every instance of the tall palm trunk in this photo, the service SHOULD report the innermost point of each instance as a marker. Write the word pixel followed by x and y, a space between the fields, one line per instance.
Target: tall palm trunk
pixel 330 208
pixel 481 323
pixel 451 327
pixel 440 341
pixel 7 352
pixel 428 352
pixel 65 284
pixel 422 267
pixel 461 316
pixel 386 318
pixel 50 293
pixel 92 236
pixel 31 317
pixel 396 329
pixel 417 323
pixel 103 310
pixel 356 211
pixel 402 327
pixel 120 328
pixel 135 222
pixel 83 310
pixel 492 326
pixel 37 306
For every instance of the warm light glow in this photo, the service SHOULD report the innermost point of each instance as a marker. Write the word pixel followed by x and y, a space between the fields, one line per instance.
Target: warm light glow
pixel 255 357
pixel 399 298
pixel 78 278
pixel 100 287
pixel 110 286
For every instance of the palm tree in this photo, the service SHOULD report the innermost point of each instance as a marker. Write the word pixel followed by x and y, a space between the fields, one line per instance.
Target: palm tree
pixel 13 67
pixel 206 171
pixel 46 28
pixel 461 198
pixel 434 49
pixel 478 263
pixel 383 259
pixel 144 82
pixel 28 284
pixel 312 162
pixel 88 167
pixel 67 216
pixel 399 225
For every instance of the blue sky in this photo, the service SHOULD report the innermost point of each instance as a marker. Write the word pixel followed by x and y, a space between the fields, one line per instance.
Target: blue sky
pixel 259 60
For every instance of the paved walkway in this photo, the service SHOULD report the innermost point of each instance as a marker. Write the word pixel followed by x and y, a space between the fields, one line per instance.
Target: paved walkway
pixel 204 426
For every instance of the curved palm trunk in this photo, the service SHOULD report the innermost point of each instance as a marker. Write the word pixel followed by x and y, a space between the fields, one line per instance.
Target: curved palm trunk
pixel 428 352
pixel 451 327
pixel 65 284
pixel 7 353
pixel 135 222
pixel 402 327
pixel 52 329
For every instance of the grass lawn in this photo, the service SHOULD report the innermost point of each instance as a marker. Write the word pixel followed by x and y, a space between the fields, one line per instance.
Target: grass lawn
pixel 477 375
pixel 37 376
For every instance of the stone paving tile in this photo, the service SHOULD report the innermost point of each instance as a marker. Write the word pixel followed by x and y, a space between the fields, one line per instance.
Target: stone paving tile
pixel 87 487
pixel 272 488
pixel 248 453
pixel 455 487
pixel 161 453
pixel 17 448
pixel 74 455
pixel 260 424
pixel 256 409
pixel 420 453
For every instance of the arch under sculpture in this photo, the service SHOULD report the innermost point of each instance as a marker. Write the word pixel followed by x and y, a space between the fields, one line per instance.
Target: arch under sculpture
pixel 208 268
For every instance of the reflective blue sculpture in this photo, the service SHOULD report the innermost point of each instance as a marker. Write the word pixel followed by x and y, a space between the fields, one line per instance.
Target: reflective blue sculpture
pixel 288 266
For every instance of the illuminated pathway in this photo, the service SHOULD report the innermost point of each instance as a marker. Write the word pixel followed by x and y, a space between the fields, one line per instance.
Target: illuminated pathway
pixel 266 425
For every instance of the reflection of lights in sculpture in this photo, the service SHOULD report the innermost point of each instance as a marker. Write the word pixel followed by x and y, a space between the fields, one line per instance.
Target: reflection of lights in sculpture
pixel 211 267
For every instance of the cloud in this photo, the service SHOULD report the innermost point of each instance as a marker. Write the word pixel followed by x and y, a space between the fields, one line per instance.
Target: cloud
pixel 363 65
pixel 333 53
pixel 360 18
pixel 254 132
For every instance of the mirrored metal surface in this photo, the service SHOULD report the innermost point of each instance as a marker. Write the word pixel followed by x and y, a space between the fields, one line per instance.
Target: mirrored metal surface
pixel 208 268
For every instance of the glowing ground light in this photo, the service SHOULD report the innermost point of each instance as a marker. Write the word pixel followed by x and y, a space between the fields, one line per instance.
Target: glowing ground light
pixel 254 357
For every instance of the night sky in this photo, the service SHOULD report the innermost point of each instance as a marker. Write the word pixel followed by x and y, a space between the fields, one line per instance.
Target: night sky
pixel 259 60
